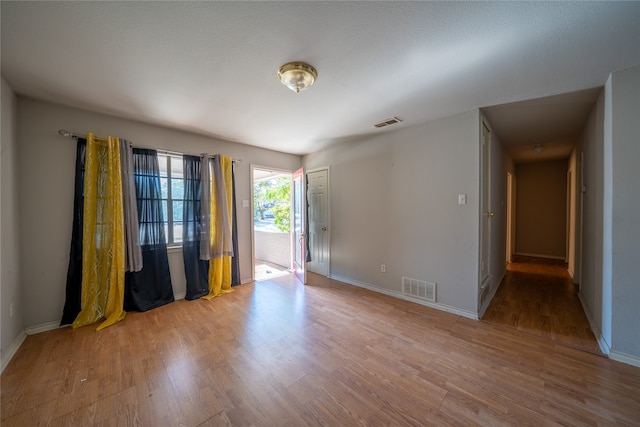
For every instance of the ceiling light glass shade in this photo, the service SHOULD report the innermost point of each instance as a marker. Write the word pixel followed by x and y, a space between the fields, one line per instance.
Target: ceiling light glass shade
pixel 297 76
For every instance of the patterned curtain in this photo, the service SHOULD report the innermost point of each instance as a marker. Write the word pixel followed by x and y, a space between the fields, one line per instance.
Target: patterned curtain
pixel 103 246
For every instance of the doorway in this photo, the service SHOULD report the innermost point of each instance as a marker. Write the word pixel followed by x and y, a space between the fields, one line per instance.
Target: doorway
pixel 272 252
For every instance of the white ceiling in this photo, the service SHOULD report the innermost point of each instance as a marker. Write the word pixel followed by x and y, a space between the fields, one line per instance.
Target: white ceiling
pixel 210 67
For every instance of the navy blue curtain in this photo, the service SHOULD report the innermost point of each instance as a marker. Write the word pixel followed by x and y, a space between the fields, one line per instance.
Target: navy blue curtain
pixel 195 269
pixel 74 270
pixel 235 260
pixel 150 287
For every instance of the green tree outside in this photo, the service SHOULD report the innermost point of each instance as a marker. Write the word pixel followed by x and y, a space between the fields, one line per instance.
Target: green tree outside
pixel 273 196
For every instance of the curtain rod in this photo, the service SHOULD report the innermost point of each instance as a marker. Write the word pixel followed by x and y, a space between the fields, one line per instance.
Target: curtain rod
pixel 66 133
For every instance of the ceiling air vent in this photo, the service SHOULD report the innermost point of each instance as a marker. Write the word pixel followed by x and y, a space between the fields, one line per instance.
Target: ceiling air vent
pixel 387 122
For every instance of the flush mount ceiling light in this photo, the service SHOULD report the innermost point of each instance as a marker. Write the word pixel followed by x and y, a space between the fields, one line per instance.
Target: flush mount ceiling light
pixel 538 148
pixel 297 76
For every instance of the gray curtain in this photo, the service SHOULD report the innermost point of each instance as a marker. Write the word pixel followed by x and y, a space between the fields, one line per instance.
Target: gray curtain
pixel 205 209
pixel 132 237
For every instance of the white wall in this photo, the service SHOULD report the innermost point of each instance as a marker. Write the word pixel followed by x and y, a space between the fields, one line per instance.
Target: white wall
pixel 610 264
pixel 273 247
pixel 623 145
pixel 46 168
pixel 592 142
pixel 9 220
pixel 394 201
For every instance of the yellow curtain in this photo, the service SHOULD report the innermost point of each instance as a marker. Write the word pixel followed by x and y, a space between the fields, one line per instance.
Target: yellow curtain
pixel 220 265
pixel 103 246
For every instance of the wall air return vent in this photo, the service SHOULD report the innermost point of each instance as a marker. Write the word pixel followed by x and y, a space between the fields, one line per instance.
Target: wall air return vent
pixel 419 289
pixel 388 122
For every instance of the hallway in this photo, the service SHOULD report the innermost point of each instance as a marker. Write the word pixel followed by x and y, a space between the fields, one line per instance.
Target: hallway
pixel 538 297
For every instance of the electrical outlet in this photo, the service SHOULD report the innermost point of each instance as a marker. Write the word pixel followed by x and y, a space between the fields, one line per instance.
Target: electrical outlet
pixel 383 268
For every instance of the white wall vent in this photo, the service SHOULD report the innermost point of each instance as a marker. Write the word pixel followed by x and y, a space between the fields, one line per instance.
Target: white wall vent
pixel 419 289
pixel 387 122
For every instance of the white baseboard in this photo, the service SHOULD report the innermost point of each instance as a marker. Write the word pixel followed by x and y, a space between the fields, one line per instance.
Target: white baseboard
pixel 540 255
pixel 12 350
pixel 595 328
pixel 625 358
pixel 42 328
pixel 395 294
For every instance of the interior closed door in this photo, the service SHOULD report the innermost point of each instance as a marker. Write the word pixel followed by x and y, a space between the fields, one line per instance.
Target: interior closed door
pixel 318 234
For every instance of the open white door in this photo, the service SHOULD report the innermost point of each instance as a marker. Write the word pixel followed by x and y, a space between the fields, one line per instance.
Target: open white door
pixel 298 221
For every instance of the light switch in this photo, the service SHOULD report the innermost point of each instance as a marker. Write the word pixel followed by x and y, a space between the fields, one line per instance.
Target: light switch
pixel 245 203
pixel 462 199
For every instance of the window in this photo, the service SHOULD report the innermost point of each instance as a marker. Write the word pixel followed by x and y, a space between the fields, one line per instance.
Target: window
pixel 172 185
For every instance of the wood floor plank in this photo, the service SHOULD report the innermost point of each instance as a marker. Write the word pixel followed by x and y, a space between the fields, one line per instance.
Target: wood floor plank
pixel 538 297
pixel 277 353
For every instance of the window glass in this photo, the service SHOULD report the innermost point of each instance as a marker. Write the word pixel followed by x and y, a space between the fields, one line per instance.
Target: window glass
pixel 172 187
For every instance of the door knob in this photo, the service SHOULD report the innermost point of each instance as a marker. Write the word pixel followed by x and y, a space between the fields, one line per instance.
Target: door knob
pixel 490 214
pixel 324 228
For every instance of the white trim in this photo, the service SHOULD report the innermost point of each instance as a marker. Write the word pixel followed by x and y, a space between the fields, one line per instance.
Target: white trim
pixel 12 350
pixel 395 294
pixel 43 328
pixel 174 248
pixel 602 343
pixel 179 295
pixel 629 359
pixel 541 256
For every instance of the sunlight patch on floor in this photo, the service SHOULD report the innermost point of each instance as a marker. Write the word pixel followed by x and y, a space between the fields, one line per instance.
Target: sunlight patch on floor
pixel 265 271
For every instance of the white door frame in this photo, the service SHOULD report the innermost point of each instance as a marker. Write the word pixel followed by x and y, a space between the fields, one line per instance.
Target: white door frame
pixel 510 215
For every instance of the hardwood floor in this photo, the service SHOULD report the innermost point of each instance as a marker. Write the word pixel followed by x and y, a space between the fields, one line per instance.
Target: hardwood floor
pixel 538 297
pixel 279 353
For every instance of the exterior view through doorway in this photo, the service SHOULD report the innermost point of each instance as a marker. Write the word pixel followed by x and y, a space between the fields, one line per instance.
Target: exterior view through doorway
pixel 272 227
